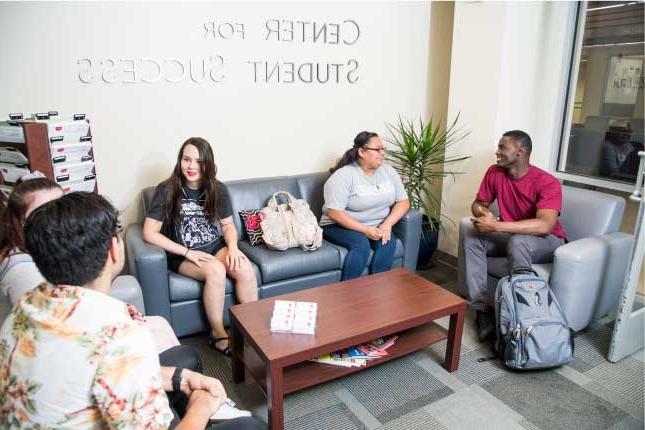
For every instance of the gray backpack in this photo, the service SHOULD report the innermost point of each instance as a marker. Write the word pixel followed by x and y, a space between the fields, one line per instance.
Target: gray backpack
pixel 532 331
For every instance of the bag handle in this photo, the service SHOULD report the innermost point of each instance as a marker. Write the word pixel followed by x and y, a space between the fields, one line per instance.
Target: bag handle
pixel 273 202
pixel 519 270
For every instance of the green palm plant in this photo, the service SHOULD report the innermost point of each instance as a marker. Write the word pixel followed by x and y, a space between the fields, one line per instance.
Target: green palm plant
pixel 419 156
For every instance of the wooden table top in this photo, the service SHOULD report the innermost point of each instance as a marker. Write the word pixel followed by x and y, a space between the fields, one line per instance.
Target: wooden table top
pixel 348 311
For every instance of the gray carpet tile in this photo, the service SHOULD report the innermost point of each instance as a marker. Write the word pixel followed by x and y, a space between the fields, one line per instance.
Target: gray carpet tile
pixel 553 402
pixel 528 425
pixel 337 417
pixel 615 399
pixel 438 350
pixel 473 372
pixel 358 409
pixel 394 389
pixel 591 348
pixel 624 377
pixel 415 420
pixel 309 401
pixel 474 408
pixel 629 423
pixel 215 364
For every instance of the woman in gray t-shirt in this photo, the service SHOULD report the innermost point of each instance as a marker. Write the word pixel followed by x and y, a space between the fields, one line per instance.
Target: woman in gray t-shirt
pixel 364 198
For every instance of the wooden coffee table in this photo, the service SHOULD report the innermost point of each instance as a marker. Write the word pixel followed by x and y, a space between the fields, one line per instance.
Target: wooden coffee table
pixel 349 313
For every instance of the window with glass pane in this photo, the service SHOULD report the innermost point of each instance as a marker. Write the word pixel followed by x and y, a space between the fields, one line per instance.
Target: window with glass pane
pixel 606 129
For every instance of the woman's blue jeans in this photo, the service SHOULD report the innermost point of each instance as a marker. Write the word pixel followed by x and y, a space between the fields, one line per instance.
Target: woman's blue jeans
pixel 358 251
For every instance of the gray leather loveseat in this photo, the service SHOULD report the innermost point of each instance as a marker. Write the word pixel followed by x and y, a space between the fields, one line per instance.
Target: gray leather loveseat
pixel 179 298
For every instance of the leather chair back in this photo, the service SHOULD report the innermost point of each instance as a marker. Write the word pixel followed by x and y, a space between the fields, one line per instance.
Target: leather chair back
pixel 587 213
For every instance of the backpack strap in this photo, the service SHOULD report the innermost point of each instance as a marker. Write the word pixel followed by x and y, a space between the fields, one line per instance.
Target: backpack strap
pixel 522 270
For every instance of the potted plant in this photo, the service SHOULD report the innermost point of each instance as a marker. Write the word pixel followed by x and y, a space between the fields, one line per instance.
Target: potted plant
pixel 419 156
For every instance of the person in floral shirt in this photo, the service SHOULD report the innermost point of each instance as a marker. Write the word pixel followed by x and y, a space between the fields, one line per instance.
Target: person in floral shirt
pixel 73 357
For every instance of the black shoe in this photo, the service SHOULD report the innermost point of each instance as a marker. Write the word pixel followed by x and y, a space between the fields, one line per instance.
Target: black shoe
pixel 485 322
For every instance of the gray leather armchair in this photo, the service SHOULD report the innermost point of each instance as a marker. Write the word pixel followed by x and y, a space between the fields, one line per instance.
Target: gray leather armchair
pixel 179 298
pixel 587 273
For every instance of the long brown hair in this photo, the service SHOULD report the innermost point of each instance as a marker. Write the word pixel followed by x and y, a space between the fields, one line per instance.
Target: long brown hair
pixel 12 216
pixel 351 155
pixel 176 181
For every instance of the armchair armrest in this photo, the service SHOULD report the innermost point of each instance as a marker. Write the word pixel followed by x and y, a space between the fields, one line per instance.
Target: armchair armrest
pixel 408 229
pixel 148 264
pixel 588 275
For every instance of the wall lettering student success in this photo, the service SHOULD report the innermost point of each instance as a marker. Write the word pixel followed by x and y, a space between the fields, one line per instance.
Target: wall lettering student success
pixel 212 67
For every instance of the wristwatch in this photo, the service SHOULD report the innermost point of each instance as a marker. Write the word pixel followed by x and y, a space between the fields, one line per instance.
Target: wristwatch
pixel 176 379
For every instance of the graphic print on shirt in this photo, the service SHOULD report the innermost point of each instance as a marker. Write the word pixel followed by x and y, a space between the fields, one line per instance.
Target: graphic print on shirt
pixel 196 231
pixel 365 190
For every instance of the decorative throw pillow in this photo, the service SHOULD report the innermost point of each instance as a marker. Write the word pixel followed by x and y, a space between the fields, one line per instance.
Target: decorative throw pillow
pixel 251 219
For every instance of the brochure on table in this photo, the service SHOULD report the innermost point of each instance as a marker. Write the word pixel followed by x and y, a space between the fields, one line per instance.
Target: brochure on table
pixel 294 317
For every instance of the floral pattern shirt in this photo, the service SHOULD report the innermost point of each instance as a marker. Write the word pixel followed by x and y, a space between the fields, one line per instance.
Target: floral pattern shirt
pixel 71 357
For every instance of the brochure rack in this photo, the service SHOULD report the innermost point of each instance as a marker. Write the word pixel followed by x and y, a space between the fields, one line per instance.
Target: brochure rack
pixel 61 150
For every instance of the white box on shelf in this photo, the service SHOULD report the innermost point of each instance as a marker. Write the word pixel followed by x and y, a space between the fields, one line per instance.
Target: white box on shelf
pixel 72 153
pixel 12 156
pixel 73 171
pixel 83 185
pixel 11 173
pixel 67 129
pixel 11 133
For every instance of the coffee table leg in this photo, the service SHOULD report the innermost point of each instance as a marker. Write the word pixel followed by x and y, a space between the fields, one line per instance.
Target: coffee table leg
pixel 274 397
pixel 453 349
pixel 237 352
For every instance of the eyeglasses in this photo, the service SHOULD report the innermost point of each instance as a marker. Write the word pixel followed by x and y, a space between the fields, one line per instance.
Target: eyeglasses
pixel 379 150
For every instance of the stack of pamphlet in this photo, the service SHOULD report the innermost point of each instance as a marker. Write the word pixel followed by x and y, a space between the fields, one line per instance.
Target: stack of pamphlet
pixel 294 317
pixel 358 355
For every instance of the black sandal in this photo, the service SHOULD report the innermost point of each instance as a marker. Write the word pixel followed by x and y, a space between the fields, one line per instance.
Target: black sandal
pixel 212 342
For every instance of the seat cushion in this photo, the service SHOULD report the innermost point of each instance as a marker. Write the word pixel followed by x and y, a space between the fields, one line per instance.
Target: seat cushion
pixel 294 262
pixel 183 288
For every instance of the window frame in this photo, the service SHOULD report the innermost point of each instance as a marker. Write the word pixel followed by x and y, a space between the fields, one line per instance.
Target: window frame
pixel 567 118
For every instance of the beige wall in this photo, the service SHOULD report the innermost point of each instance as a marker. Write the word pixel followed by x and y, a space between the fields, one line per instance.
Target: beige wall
pixel 256 129
pixel 439 54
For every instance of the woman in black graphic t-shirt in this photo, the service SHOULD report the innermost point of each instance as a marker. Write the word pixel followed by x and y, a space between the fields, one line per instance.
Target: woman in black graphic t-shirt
pixel 191 218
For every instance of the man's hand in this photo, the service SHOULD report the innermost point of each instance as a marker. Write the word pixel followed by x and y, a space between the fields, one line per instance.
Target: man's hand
pixel 234 259
pixel 193 381
pixel 201 406
pixel 386 232
pixel 485 224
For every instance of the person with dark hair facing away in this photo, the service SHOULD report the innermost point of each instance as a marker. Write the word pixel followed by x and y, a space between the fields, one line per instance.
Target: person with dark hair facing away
pixel 18 273
pixel 527 230
pixel 190 217
pixel 364 198
pixel 73 357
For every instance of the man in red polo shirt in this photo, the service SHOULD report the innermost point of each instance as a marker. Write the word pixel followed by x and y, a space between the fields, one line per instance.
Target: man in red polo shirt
pixel 527 230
